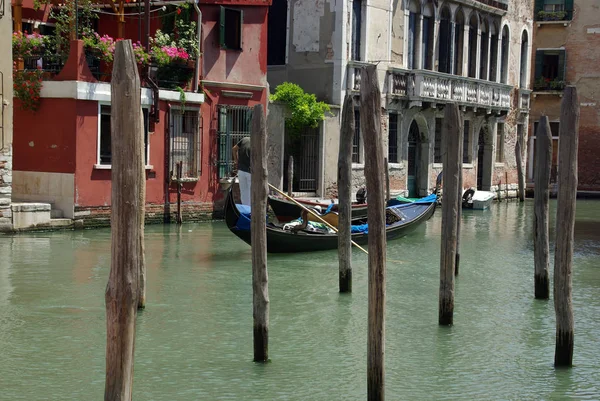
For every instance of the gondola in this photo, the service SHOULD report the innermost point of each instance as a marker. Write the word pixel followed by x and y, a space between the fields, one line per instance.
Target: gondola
pixel 286 211
pixel 237 218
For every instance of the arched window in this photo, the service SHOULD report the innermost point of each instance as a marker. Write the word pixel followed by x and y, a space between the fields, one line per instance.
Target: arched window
pixel 483 54
pixel 473 25
pixel 493 52
pixel 459 29
pixel 413 24
pixel 504 59
pixel 524 53
pixel 445 42
pixel 427 38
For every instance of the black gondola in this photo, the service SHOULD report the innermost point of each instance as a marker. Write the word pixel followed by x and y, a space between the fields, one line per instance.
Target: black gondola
pixel 284 241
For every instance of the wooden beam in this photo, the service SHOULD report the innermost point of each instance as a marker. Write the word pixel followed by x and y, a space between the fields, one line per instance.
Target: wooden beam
pixel 452 131
pixel 541 245
pixel 370 112
pixel 345 196
pixel 128 194
pixel 565 225
pixel 258 229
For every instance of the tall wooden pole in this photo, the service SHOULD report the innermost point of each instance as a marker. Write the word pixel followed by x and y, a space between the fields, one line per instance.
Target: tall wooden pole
pixel 128 194
pixel 459 207
pixel 290 176
pixel 452 131
pixel 541 245
pixel 345 196
pixel 520 171
pixel 142 213
pixel 258 228
pixel 565 224
pixel 370 111
pixel 387 179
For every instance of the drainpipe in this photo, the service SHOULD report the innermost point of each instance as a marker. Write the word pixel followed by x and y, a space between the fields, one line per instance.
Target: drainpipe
pixel 198 58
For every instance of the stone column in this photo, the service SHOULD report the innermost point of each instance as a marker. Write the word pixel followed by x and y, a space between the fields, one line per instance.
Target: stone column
pixel 435 62
pixel 452 40
pixel 489 58
pixel 498 77
pixel 465 58
pixel 419 45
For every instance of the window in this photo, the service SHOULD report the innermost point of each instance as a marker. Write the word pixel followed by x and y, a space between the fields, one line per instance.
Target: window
pixel 500 143
pixel 356 28
pixel 276 29
pixel 234 124
pixel 104 127
pixel 554 128
pixel 356 139
pixel 185 143
pixel 550 66
pixel 445 38
pixel 231 28
pixel 437 148
pixel 427 38
pixel 553 10
pixel 393 139
pixel 466 142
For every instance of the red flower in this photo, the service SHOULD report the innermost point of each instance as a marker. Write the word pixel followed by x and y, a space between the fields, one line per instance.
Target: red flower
pixel 178 11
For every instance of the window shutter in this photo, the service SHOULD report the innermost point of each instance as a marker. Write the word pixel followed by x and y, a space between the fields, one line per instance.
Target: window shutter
pixel 569 9
pixel 562 65
pixel 241 26
pixel 539 62
pixel 539 6
pixel 222 28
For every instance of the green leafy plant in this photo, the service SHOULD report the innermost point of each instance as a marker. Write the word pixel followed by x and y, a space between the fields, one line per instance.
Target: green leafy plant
pixel 552 15
pixel 557 84
pixel 306 111
pixel 179 26
pixel 27 86
pixel 182 98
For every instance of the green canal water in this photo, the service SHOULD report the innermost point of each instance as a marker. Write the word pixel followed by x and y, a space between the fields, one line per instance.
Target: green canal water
pixel 194 340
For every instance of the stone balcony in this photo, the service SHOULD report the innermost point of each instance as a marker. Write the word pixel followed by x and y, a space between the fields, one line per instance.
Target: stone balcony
pixel 524 100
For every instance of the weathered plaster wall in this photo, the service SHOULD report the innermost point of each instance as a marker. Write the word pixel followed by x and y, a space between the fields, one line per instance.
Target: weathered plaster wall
pixel 6 103
pixel 581 39
pixel 275 143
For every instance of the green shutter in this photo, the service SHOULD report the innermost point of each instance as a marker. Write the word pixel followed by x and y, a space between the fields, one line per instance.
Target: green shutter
pixel 539 62
pixel 222 28
pixel 539 6
pixel 562 65
pixel 569 9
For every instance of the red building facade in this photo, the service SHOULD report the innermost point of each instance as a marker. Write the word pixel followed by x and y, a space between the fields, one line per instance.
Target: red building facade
pixel 62 150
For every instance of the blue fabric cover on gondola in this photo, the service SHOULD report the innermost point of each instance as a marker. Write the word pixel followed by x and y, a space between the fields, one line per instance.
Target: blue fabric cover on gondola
pixel 428 199
pixel 243 222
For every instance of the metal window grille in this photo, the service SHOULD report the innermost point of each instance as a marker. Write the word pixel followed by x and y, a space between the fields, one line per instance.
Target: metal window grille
pixel 356 138
pixel 437 150
pixel 234 124
pixel 466 142
pixel 185 143
pixel 307 165
pixel 393 139
pixel 500 143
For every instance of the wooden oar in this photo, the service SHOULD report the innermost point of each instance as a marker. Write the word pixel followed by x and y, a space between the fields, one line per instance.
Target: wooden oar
pixel 314 214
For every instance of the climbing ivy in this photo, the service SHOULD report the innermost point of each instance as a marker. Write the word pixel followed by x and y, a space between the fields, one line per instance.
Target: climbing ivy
pixel 305 110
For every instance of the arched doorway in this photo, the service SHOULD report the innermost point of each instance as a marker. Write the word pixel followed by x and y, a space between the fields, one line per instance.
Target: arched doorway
pixel 484 159
pixel 414 141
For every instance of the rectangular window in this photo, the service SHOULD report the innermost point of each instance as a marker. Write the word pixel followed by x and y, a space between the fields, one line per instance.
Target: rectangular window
pixel 466 143
pixel 356 139
pixel 231 28
pixel 553 10
pixel 104 142
pixel 185 143
pixel 276 32
pixel 437 148
pixel 234 124
pixel 550 68
pixel 500 143
pixel 356 28
pixel 554 5
pixel 393 138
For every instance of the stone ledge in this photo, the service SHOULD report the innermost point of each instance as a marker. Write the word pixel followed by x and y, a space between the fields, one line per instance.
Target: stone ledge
pixel 31 207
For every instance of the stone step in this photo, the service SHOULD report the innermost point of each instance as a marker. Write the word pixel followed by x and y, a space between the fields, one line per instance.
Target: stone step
pixel 60 222
pixel 56 214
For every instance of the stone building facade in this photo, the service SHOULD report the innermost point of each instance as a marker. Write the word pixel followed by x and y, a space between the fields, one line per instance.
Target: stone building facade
pixel 6 113
pixel 567 52
pixel 428 53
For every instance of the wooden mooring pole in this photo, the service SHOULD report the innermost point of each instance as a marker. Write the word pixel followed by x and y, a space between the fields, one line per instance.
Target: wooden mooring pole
pixel 520 172
pixel 258 228
pixel 290 189
pixel 345 196
pixel 459 209
pixel 452 131
pixel 142 217
pixel 370 111
pixel 179 167
pixel 127 214
pixel 565 225
pixel 387 179
pixel 541 245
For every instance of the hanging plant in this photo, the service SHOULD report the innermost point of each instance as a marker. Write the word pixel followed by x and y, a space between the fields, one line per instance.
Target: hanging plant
pixel 27 86
pixel 306 111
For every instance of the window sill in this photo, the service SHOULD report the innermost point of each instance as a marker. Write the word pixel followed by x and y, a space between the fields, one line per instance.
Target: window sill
pixel 547 92
pixel 468 165
pixel 109 167
pixel 438 165
pixel 185 179
pixel 563 23
pixel 498 165
pixel 395 166
pixel 358 166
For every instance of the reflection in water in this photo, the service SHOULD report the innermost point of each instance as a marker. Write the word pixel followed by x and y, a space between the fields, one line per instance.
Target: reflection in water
pixel 194 340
